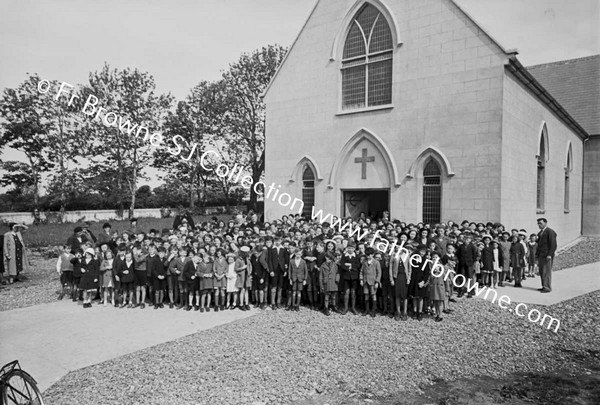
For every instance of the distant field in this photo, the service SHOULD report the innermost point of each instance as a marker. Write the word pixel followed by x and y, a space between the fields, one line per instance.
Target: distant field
pixel 38 236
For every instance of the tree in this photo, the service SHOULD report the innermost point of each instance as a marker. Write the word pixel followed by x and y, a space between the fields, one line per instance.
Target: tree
pixel 25 129
pixel 138 113
pixel 246 80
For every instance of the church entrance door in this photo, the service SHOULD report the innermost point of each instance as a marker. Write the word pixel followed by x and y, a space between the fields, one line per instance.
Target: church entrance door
pixel 372 202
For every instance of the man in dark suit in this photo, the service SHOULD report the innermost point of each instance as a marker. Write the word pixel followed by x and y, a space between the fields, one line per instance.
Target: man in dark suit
pixel 545 254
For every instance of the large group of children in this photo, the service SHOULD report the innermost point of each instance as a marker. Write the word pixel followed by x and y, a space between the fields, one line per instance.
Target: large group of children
pixel 291 262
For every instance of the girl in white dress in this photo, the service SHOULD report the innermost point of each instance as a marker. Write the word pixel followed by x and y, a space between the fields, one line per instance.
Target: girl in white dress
pixel 231 279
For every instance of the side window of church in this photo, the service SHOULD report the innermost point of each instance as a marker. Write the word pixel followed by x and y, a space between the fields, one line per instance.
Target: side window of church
pixel 367 61
pixel 432 193
pixel 308 190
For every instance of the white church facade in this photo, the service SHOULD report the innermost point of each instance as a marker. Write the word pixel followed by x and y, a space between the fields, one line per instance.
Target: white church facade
pixel 409 106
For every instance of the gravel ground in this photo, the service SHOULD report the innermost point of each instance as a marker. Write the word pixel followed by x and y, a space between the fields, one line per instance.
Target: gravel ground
pixel 587 250
pixel 281 357
pixel 38 286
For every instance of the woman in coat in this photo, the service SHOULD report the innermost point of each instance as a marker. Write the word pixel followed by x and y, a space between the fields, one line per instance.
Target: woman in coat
pixel 15 255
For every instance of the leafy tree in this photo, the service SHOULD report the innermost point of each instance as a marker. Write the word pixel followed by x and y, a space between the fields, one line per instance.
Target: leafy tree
pixel 246 80
pixel 25 129
pixel 127 144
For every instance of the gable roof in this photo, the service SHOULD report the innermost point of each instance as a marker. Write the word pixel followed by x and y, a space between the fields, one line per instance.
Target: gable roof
pixel 575 84
pixel 508 52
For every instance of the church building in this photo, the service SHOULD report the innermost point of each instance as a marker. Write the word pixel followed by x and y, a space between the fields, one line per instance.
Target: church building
pixel 409 106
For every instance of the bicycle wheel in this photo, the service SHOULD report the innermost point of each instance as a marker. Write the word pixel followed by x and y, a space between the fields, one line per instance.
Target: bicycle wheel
pixel 21 389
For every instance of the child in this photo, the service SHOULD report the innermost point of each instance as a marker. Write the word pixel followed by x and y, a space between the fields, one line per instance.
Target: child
pixel 180 263
pixel 64 267
pixel 126 274
pixel 90 271
pixel 107 278
pixel 245 254
pixel 387 297
pixel 141 276
pixel 189 274
pixel 532 245
pixel 172 276
pixel 156 267
pixel 487 261
pixel 76 262
pixel 517 258
pixel 220 282
pixel 231 279
pixel 206 275
pixel 298 275
pixel 240 281
pixel 449 283
pixel 419 281
pixel 498 263
pixel 400 276
pixel 370 279
pixel 437 287
pixel 329 280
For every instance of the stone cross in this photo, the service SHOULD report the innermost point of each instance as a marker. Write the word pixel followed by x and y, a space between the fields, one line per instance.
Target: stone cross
pixel 364 159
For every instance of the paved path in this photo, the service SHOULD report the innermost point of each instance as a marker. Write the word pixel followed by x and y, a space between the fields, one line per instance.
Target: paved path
pixel 51 340
pixel 566 284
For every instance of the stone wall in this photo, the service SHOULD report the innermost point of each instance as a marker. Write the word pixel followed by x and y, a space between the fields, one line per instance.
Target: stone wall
pixel 103 215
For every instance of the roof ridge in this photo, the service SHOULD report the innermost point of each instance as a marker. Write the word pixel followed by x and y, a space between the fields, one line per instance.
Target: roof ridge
pixel 564 61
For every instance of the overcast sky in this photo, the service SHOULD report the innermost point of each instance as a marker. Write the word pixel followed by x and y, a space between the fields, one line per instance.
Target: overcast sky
pixel 183 42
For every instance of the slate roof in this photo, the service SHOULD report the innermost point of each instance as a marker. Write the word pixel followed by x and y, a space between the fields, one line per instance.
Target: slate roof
pixel 575 84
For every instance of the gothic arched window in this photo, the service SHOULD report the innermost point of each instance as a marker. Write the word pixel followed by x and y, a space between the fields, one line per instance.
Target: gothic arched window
pixel 541 172
pixel 432 192
pixel 568 169
pixel 308 190
pixel 367 61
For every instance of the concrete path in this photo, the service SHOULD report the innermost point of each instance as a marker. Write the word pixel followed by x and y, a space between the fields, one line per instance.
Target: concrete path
pixel 51 340
pixel 566 284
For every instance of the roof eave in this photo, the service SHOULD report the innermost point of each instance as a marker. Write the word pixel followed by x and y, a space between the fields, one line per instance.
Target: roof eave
pixel 518 70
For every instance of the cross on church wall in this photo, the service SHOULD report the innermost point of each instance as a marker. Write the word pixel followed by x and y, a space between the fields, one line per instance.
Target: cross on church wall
pixel 363 160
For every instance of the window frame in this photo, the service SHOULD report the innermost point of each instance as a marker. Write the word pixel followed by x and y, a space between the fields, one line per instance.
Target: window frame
pixel 368 60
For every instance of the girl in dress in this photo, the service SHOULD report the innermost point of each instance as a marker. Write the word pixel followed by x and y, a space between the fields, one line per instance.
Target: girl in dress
pixel 498 263
pixel 245 251
pixel 231 280
pixel 240 281
pixel 220 280
pixel 532 248
pixel 107 278
pixel 206 275
pixel 487 261
pixel 437 289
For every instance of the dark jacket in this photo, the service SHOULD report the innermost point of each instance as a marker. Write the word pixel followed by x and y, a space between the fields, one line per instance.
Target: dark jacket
pixel 129 277
pixel 351 266
pixel 467 254
pixel 90 272
pixel 546 243
pixel 156 266
pixel 279 260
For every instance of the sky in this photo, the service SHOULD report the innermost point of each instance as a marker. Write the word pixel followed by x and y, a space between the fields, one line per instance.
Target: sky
pixel 184 42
